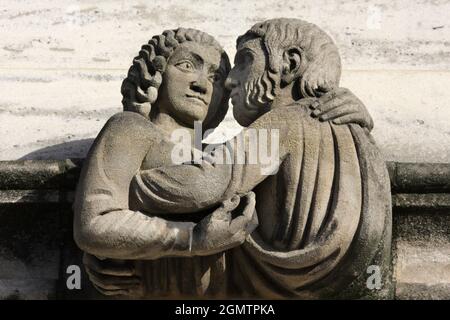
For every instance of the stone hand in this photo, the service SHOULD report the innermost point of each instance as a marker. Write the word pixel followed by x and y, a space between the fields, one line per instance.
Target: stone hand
pixel 112 277
pixel 219 231
pixel 341 106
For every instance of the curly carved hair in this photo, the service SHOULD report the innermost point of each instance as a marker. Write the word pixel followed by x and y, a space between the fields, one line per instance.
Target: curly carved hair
pixel 322 68
pixel 140 87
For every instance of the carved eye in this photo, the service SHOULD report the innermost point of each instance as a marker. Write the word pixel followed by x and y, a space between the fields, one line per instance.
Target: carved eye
pixel 185 66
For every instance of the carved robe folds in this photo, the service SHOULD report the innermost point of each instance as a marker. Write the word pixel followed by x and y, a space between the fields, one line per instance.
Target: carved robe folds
pixel 331 219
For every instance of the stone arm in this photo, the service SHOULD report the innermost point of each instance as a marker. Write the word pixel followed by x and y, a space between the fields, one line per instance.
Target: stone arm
pixel 193 187
pixel 103 224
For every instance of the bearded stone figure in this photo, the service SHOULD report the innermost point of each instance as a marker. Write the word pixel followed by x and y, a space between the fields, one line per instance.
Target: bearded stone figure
pixel 310 228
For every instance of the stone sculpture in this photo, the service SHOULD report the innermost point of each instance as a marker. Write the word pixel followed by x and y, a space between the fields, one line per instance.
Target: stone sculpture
pixel 322 215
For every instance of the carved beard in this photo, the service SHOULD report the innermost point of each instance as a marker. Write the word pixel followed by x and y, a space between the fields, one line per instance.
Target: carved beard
pixel 259 92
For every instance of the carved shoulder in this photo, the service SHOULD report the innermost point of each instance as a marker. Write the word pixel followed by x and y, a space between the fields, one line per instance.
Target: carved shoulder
pixel 124 135
pixel 284 118
pixel 128 125
pixel 117 153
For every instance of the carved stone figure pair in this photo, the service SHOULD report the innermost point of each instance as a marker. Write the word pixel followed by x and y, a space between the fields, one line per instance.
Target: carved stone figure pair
pixel 309 229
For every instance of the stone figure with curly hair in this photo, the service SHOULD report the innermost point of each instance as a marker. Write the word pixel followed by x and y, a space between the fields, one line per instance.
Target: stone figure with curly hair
pixel 152 229
pixel 177 78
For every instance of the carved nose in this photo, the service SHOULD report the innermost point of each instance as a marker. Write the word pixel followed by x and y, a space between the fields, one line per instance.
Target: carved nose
pixel 231 83
pixel 199 85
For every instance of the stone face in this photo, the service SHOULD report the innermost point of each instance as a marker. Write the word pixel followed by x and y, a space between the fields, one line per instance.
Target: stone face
pixel 323 210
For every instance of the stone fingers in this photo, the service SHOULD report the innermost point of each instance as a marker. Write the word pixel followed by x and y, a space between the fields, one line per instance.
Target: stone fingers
pixel 105 267
pixel 339 111
pixel 112 282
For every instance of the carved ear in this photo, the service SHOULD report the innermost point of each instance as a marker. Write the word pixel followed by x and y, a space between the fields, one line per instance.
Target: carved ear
pixel 291 66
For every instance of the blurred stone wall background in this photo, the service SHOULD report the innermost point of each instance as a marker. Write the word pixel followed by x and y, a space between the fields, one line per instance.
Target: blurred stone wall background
pixel 62 63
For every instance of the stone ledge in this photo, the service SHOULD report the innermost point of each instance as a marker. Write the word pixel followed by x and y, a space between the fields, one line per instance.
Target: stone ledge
pixel 428 201
pixel 419 177
pixel 433 201
pixel 63 175
pixel 36 229
pixel 36 196
pixel 39 174
pixel 414 185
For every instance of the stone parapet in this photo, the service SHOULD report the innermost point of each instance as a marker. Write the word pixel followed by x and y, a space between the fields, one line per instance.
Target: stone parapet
pixel 36 243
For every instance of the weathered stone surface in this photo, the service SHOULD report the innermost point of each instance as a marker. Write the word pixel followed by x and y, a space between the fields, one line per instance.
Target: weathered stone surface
pixel 64 174
pixel 30 242
pixel 35 196
pixel 324 208
pixel 46 174
pixel 381 35
pixel 27 289
pixel 410 177
pixel 385 43
pixel 410 125
pixel 434 201
pixel 422 250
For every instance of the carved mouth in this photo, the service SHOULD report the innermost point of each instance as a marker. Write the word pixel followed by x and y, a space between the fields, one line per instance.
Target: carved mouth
pixel 197 97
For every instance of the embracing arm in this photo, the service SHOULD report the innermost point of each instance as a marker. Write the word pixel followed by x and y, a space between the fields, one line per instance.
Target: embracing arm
pixel 341 106
pixel 192 187
pixel 103 224
pixel 188 188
